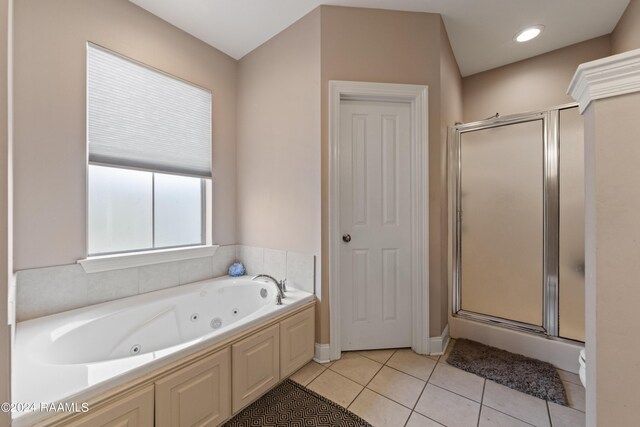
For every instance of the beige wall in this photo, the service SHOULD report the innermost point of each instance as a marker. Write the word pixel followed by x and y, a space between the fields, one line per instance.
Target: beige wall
pixel 389 47
pixel 282 112
pixel 532 84
pixel 626 35
pixel 5 203
pixel 50 140
pixel 451 112
pixel 278 171
pixel 612 249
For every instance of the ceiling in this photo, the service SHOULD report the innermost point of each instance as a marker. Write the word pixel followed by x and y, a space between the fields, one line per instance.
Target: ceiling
pixel 481 31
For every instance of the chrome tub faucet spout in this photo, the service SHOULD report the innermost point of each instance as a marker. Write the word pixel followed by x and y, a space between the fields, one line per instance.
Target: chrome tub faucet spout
pixel 279 284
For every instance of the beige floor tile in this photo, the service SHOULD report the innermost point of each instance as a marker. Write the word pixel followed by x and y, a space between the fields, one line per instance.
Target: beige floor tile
pixel 380 356
pixel 575 395
pixel 378 410
pixel 569 377
pixel 491 418
pixel 435 357
pixel 561 416
pixel 407 361
pixel 519 405
pixel 307 373
pixel 356 367
pixel 458 381
pixel 397 386
pixel 335 387
pixel 447 408
pixel 417 420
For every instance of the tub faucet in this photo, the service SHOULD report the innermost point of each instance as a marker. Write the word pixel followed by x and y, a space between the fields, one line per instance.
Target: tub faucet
pixel 279 284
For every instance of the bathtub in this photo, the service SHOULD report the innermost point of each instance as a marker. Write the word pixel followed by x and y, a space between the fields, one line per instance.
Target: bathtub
pixel 70 356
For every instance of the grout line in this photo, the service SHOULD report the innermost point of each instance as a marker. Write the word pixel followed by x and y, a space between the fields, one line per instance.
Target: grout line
pixel 369 382
pixel 422 415
pixel 419 396
pixel 370 358
pixel 484 384
pixel 549 413
pixel 388 398
pixel 423 389
pixel 453 392
pixel 509 415
pixel 313 378
pixel 412 376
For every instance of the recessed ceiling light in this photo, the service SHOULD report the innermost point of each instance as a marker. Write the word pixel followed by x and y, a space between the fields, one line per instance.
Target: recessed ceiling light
pixel 529 33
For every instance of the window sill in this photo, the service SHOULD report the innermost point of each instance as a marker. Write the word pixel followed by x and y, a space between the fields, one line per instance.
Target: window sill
pixel 98 264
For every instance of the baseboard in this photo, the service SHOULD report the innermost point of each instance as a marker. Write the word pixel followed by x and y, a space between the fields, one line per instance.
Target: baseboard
pixel 438 345
pixel 322 353
pixel 560 353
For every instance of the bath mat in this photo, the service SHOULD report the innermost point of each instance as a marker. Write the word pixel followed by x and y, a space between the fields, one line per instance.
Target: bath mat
pixel 531 376
pixel 290 404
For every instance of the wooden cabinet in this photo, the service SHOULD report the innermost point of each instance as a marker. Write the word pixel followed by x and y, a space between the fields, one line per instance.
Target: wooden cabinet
pixel 197 395
pixel 297 338
pixel 255 366
pixel 133 410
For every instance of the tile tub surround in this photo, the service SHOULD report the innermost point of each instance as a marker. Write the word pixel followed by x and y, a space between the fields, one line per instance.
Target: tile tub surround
pixel 394 387
pixel 50 290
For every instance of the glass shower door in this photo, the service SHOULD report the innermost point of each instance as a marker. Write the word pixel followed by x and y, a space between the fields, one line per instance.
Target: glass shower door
pixel 519 230
pixel 501 210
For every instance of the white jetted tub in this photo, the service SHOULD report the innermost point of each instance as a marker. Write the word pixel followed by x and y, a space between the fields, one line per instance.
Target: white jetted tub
pixel 76 354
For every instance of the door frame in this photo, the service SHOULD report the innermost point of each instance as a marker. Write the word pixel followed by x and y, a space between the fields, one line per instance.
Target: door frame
pixel 417 97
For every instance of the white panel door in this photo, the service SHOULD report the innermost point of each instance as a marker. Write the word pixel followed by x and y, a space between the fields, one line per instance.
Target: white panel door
pixel 375 222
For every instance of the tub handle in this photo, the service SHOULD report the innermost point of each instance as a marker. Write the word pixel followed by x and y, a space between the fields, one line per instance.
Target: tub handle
pixel 278 300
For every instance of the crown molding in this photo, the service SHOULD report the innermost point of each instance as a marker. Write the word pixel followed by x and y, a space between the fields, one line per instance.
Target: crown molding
pixel 607 77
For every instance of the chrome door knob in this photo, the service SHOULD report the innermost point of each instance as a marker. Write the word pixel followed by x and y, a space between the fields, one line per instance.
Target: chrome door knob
pixel 346 238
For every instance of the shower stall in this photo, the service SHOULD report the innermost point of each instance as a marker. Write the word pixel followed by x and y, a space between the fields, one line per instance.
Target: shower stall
pixel 519 222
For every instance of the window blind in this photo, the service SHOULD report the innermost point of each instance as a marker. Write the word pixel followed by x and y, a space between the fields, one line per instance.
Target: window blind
pixel 140 118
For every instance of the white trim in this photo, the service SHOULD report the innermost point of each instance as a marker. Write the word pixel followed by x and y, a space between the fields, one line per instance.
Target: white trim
pixel 562 354
pixel 322 353
pixel 137 259
pixel 438 345
pixel 603 78
pixel 417 97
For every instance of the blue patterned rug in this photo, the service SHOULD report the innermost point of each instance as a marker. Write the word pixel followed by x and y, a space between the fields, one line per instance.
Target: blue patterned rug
pixel 290 405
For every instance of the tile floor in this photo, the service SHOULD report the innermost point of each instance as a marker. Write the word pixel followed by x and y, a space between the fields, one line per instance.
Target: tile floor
pixel 398 388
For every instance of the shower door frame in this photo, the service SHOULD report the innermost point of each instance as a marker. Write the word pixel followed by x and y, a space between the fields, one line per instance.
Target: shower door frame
pixel 551 218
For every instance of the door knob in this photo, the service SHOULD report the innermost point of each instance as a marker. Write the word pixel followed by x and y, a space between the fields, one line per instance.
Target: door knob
pixel 346 238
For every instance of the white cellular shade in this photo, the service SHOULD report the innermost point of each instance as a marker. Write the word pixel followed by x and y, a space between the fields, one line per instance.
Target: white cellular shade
pixel 140 118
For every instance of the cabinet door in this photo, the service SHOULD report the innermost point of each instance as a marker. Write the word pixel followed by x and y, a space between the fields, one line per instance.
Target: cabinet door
pixel 256 366
pixel 297 338
pixel 197 395
pixel 134 410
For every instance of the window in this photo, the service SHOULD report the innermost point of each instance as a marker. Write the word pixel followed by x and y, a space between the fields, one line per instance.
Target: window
pixel 133 210
pixel 149 143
